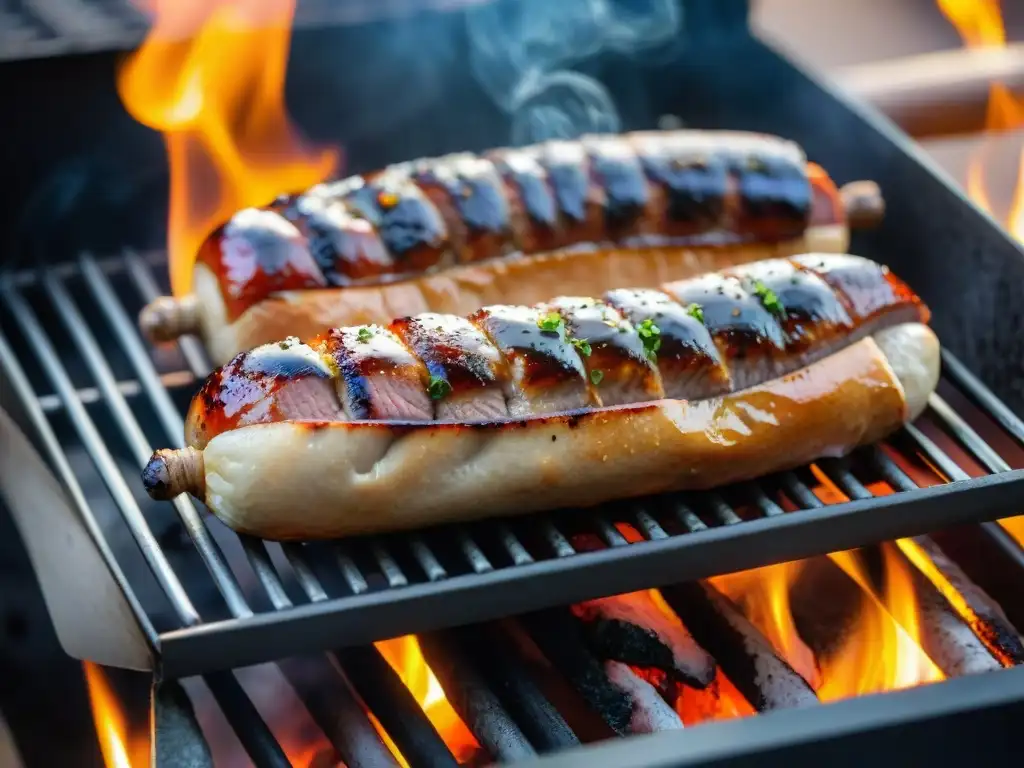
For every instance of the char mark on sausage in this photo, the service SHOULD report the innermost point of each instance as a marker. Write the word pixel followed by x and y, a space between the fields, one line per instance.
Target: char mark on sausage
pixel 692 340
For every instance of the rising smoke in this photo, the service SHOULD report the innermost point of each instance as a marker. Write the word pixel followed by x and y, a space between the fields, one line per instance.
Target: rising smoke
pixel 523 54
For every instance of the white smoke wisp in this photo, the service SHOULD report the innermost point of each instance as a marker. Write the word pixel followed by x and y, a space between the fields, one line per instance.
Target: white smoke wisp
pixel 522 54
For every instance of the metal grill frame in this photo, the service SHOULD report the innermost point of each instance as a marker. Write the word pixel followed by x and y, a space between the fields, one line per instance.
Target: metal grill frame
pixel 486 592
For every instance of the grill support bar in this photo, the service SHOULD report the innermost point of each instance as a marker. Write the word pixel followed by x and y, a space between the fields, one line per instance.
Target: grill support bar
pixel 429 606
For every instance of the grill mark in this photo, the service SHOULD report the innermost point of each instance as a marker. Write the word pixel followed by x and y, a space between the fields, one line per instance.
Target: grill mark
pixel 408 223
pixel 363 354
pixel 736 341
pixel 670 188
pixel 531 199
pixel 688 360
pixel 346 246
pixel 543 366
pixel 471 197
pixel 617 355
pixel 455 352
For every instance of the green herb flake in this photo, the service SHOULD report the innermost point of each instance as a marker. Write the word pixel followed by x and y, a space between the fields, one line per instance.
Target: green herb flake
pixel 596 376
pixel 769 300
pixel 696 311
pixel 582 346
pixel 650 337
pixel 550 323
pixel 364 334
pixel 438 388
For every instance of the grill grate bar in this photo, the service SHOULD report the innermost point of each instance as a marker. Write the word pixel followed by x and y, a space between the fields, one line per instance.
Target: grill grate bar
pixel 432 568
pixel 208 549
pixel 58 458
pixel 388 567
pixel 768 507
pixel 648 525
pixel 555 539
pixel 689 519
pixel 335 708
pixel 967 436
pixel 936 455
pixel 259 560
pixel 608 533
pixel 725 514
pixel 513 547
pixel 383 692
pixel 141 274
pixel 350 571
pixel 981 396
pixel 475 556
pixel 257 740
pixel 303 573
pixel 799 492
pixel 100 456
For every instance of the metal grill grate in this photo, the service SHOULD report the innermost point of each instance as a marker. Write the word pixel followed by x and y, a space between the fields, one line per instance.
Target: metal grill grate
pixel 101 400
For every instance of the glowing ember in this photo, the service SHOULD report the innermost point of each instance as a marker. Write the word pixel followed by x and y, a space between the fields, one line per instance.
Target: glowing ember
pixel 405 657
pixel 980 24
pixel 119 749
pixel 210 76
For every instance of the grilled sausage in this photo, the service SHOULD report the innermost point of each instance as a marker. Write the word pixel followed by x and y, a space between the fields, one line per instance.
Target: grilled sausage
pixel 845 362
pixel 451 234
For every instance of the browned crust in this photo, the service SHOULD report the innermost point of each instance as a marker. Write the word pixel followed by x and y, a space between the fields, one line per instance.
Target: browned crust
pixel 373 476
pixel 465 288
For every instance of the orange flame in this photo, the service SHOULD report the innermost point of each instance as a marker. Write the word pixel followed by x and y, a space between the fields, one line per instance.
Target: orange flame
pixel 405 657
pixel 884 653
pixel 763 595
pixel 210 76
pixel 980 24
pixel 119 749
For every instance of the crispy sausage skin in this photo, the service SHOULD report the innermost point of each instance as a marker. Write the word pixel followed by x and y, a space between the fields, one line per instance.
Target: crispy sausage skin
pixel 451 234
pixel 459 418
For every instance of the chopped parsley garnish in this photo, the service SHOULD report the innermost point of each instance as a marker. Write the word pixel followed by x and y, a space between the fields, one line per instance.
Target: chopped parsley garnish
pixel 550 323
pixel 438 387
pixel 596 376
pixel 769 300
pixel 696 311
pixel 582 346
pixel 650 336
pixel 364 334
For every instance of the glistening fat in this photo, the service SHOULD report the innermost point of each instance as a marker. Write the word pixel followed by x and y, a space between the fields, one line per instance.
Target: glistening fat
pixel 572 402
pixel 452 234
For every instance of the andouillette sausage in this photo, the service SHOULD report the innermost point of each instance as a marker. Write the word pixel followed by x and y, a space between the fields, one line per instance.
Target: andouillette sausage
pixel 573 402
pixel 451 234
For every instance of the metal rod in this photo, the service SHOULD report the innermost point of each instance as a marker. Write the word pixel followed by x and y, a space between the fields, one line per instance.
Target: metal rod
pixel 388 567
pixel 471 551
pixel 350 571
pixel 473 699
pixel 94 358
pixel 981 395
pixel 105 464
pixel 142 276
pixel 337 711
pixel 500 662
pixel 555 538
pixel 432 568
pixel 259 559
pixel 512 545
pixel 394 706
pixel 257 740
pixel 967 436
